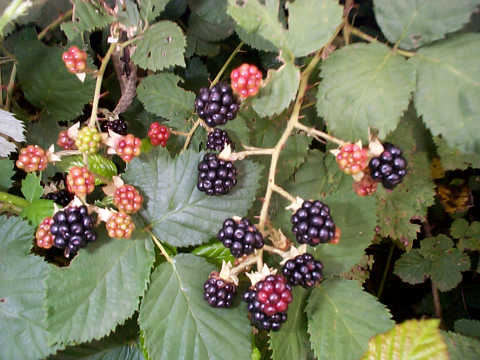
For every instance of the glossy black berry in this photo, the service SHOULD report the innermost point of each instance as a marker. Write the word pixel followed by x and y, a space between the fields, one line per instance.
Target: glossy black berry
pixel 73 229
pixel 216 105
pixel 218 292
pixel 119 126
pixel 258 318
pixel 241 237
pixel 389 168
pixel 313 224
pixel 303 270
pixel 61 197
pixel 216 176
pixel 217 139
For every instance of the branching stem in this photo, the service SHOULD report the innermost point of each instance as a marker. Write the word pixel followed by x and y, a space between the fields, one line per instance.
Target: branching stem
pixel 249 261
pixel 317 133
pixel 190 134
pixel 273 250
pixel 279 190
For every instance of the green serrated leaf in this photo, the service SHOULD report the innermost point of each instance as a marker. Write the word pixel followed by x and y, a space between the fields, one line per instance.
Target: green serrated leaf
pixel 128 15
pixel 31 188
pixel 355 315
pixel 452 158
pixel 450 62
pixel 412 267
pixel 215 252
pixel 413 340
pixel 150 9
pixel 412 23
pixel 292 156
pixel 468 234
pixel 238 130
pixel 6 171
pixel 468 327
pixel 179 213
pixel 311 23
pixel 46 82
pixel 110 274
pixel 97 164
pixel 374 92
pixel 461 347
pixel 37 211
pixel 161 95
pixel 279 91
pixel 177 323
pixel 200 47
pixel 22 293
pixel 88 16
pixel 213 11
pixel 209 31
pixel 291 341
pixel 162 46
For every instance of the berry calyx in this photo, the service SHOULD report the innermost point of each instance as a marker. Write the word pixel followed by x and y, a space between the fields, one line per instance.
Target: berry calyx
pixel 352 159
pixel 240 236
pixel 127 199
pixel 61 197
pixel 158 134
pixel 120 225
pixel 80 181
pixel 366 186
pixel 88 140
pixel 218 139
pixel 32 158
pixel 128 147
pixel 43 235
pixel 389 168
pixel 65 141
pixel 75 60
pixel 216 105
pixel 216 176
pixel 246 80
pixel 303 270
pixel 218 292
pixel 313 224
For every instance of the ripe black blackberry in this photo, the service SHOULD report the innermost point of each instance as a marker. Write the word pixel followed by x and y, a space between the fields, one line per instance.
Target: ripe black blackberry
pixel 312 223
pixel 241 237
pixel 216 105
pixel 303 270
pixel 216 176
pixel 61 197
pixel 119 126
pixel 217 139
pixel 258 318
pixel 73 229
pixel 218 292
pixel 389 168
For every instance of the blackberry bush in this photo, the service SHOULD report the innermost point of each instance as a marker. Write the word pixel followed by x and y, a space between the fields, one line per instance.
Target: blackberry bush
pixel 216 176
pixel 389 168
pixel 240 236
pixel 216 105
pixel 313 224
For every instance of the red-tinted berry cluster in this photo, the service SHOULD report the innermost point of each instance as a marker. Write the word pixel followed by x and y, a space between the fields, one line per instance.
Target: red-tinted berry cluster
pixel 389 168
pixel 65 141
pixel 73 228
pixel 218 139
pixel 216 176
pixel 218 292
pixel 118 126
pixel 366 186
pixel 127 199
pixel 61 197
pixel 158 134
pixel 216 105
pixel 43 235
pixel 75 60
pixel 128 147
pixel 32 158
pixel 241 237
pixel 246 80
pixel 120 225
pixel 352 159
pixel 303 270
pixel 80 181
pixel 313 224
pixel 88 140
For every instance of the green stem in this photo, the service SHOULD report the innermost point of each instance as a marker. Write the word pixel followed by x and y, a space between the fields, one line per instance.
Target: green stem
pixel 160 246
pixel 55 23
pixel 385 271
pixel 224 67
pixel 13 200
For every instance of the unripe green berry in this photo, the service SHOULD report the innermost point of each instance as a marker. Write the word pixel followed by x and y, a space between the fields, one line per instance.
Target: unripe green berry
pixel 88 140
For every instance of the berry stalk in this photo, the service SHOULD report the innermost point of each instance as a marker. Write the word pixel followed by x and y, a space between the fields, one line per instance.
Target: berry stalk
pixel 160 246
pixel 224 67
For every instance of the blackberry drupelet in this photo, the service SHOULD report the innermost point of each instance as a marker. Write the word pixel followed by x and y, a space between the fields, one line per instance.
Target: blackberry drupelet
pixel 61 197
pixel 389 168
pixel 216 176
pixel 217 139
pixel 303 270
pixel 218 292
pixel 119 126
pixel 241 237
pixel 73 228
pixel 216 105
pixel 312 223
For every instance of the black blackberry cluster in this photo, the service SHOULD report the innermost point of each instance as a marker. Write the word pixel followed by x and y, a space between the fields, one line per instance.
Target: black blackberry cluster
pixel 61 197
pixel 217 139
pixel 216 105
pixel 389 168
pixel 216 176
pixel 312 223
pixel 217 292
pixel 303 270
pixel 73 229
pixel 119 126
pixel 258 318
pixel 242 238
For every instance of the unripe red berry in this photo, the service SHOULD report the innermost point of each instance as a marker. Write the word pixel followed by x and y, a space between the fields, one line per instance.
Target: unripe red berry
pixel 32 158
pixel 352 159
pixel 246 80
pixel 158 134
pixel 80 181
pixel 65 141
pixel 43 235
pixel 127 199
pixel 120 225
pixel 75 60
pixel 128 147
pixel 365 187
